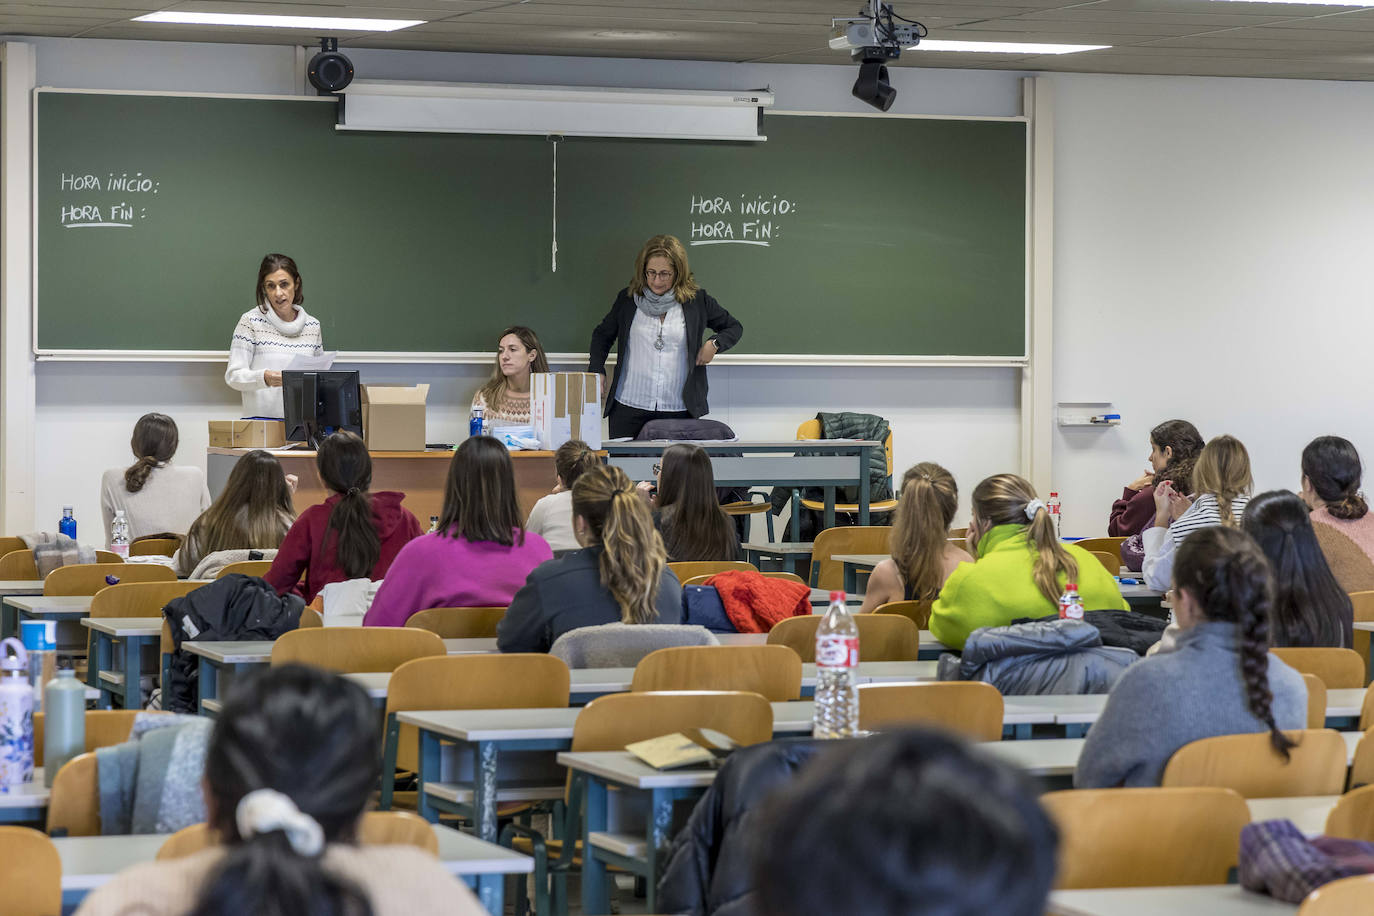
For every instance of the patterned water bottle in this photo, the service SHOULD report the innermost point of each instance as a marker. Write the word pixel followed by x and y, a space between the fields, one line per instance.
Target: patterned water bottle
pixel 16 716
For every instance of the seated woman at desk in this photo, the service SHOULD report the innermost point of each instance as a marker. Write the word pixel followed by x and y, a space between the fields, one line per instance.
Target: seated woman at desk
pixel 481 553
pixel 253 513
pixel 505 398
pixel 621 575
pixel 686 511
pixel 923 556
pixel 155 495
pixel 269 336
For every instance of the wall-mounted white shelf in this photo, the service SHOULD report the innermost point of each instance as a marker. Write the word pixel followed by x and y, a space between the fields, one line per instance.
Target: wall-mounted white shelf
pixel 1099 414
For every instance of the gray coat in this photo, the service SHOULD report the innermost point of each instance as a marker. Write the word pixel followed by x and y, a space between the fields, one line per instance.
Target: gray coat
pixel 1040 657
pixel 1174 698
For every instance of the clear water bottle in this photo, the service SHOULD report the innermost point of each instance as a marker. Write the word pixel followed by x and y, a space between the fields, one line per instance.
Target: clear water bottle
pixel 1056 514
pixel 68 524
pixel 64 722
pixel 475 423
pixel 119 535
pixel 837 663
pixel 1070 603
pixel 16 715
pixel 433 523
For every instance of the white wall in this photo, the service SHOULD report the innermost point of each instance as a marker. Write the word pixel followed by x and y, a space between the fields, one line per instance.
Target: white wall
pixel 966 418
pixel 1212 262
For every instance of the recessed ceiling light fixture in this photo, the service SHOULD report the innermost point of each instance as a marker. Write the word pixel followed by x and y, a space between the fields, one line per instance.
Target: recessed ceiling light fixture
pixel 1001 47
pixel 260 21
pixel 1312 2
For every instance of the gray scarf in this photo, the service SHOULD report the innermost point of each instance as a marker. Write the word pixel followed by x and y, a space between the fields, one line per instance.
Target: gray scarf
pixel 654 305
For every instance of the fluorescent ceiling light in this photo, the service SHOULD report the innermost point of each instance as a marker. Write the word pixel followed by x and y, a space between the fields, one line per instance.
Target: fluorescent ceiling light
pixel 256 20
pixel 1311 2
pixel 1002 47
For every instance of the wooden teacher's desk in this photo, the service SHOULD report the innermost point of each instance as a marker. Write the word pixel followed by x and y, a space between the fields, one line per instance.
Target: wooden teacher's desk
pixel 419 475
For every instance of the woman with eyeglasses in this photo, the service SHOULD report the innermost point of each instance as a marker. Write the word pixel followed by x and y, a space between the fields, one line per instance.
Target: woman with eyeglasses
pixel 657 324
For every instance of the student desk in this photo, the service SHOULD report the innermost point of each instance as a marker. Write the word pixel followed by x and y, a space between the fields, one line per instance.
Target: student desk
pixel 18 598
pixel 116 670
pixel 27 803
pixel 792 556
pixel 88 862
pixel 1213 900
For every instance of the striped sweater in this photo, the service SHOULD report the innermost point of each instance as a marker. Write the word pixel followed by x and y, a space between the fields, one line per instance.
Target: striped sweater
pixel 263 341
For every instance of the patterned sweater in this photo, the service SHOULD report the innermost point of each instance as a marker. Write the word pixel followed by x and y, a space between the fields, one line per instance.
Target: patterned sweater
pixel 508 411
pixel 263 341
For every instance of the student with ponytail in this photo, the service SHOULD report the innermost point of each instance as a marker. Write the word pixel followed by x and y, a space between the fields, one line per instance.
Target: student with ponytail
pixel 1331 473
pixel 1021 567
pixel 291 765
pixel 1309 608
pixel 156 495
pixel 354 534
pixel 923 557
pixel 1220 679
pixel 620 574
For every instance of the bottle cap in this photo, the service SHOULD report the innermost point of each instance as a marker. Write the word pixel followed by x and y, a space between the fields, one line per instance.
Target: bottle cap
pixel 66 508
pixel 119 513
pixel 837 596
pixel 39 635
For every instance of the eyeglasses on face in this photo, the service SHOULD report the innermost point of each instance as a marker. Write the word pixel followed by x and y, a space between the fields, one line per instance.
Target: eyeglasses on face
pixel 659 274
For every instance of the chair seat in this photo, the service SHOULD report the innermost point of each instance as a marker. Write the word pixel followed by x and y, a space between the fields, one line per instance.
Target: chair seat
pixel 882 505
pixel 462 795
pixel 743 508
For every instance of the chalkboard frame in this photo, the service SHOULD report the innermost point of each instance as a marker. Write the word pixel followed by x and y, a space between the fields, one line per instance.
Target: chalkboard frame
pixel 483 357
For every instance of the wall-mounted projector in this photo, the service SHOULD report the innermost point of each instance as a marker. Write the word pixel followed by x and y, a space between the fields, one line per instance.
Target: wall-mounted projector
pixel 866 38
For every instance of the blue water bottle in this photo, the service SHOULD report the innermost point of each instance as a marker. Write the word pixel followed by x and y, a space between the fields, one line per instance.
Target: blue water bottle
pixel 68 524
pixel 475 424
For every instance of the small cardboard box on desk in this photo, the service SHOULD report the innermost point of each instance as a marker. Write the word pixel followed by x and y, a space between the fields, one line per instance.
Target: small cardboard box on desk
pixel 258 433
pixel 394 418
pixel 566 405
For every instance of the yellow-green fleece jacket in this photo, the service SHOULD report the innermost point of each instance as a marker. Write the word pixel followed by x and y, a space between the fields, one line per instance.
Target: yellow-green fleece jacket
pixel 1000 587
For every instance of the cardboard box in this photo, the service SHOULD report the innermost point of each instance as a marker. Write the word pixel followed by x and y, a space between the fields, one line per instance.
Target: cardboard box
pixel 247 433
pixel 566 405
pixel 394 418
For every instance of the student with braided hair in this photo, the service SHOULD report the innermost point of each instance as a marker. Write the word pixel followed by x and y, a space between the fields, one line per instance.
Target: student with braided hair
pixel 1220 679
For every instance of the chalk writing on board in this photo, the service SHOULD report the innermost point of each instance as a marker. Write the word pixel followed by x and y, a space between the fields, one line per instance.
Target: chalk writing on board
pixel 741 220
pixel 109 201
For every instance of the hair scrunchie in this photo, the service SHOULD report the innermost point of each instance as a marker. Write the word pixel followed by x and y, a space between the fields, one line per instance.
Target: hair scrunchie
pixel 1033 509
pixel 353 491
pixel 265 810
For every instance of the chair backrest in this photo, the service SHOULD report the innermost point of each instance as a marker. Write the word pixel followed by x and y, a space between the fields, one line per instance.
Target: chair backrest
pixel 310 619
pixel 104 727
pixel 355 649
pixel 18 565
pixel 1112 562
pixel 811 429
pixel 377 828
pixel 10 544
pixel 1338 668
pixel 1316 701
pixel 1362 763
pixel 1353 815
pixel 155 546
pixel 187 842
pixel 514 681
pixel 785 576
pixel 138 599
pixel 1146 837
pixel 1362 603
pixel 970 708
pixel 610 722
pixel 690 569
pixel 458 622
pixel 255 568
pixel 1106 545
pixel 1249 764
pixel 829 574
pixel 882 637
pixel 918 612
pixel 771 671
pixel 30 873
pixel 74 806
pixel 624 645
pixel 1344 897
pixel 107 556
pixel 89 578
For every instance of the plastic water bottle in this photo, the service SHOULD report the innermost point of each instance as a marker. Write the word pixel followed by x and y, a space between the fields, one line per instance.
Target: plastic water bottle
pixel 475 423
pixel 837 662
pixel 64 722
pixel 119 535
pixel 433 524
pixel 68 524
pixel 16 715
pixel 1070 604
pixel 1056 514
pixel 40 641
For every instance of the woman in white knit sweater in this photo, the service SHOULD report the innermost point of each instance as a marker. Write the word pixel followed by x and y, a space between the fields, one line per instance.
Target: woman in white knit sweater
pixel 269 336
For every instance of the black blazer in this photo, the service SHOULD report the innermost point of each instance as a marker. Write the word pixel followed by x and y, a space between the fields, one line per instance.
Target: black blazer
pixel 564 594
pixel 699 313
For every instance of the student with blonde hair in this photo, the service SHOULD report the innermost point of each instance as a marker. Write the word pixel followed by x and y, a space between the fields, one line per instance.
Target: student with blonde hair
pixel 1021 567
pixel 620 575
pixel 923 556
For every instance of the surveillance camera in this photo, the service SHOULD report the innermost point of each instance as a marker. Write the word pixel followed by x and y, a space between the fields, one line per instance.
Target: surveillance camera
pixel 329 71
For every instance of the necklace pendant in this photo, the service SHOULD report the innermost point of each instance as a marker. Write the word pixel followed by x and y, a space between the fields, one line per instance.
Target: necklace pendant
pixel 658 344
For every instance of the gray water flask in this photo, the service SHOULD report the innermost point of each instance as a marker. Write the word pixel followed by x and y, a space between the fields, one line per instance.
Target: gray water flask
pixel 64 722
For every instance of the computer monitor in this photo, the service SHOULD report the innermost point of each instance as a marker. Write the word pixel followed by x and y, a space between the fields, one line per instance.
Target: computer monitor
pixel 319 404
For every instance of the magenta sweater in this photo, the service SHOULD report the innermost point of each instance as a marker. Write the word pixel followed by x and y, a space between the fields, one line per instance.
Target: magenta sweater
pixel 434 571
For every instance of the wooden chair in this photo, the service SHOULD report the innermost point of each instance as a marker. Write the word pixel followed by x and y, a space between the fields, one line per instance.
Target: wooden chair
pixel 1338 668
pixel 89 578
pixel 882 638
pixel 918 612
pixel 1146 837
pixel 138 599
pixel 1363 605
pixel 376 828
pixel 30 873
pixel 1353 815
pixel 104 727
pixel 310 619
pixel 108 556
pixel 1343 897
pixel 971 708
pixel 9 545
pixel 350 650
pixel 1111 561
pixel 787 576
pixel 155 546
pixel 811 429
pixel 750 507
pixel 690 569
pixel 1367 711
pixel 18 565
pixel 772 671
pixel 1249 764
pixel 957 533
pixel 74 806
pixel 1105 545
pixel 458 622
pixel 1362 763
pixel 255 568
pixel 1316 701
pixel 829 574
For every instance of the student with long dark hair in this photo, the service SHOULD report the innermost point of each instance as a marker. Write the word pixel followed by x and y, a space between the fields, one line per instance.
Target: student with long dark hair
pixel 354 534
pixel 687 512
pixel 1220 679
pixel 923 557
pixel 1309 608
pixel 1331 472
pixel 253 512
pixel 291 766
pixel 481 553
pixel 156 495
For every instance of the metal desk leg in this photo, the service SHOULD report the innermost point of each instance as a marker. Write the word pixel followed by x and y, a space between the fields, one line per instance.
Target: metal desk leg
pixel 133 673
pixel 9 619
pixel 864 485
pixel 851 579
pixel 796 515
pixel 207 684
pixel 596 896
pixel 660 823
pixel 95 665
pixel 830 507
pixel 428 772
pixel 491 891
pixel 484 792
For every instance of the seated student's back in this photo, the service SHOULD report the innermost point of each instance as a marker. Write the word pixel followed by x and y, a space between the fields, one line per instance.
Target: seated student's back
pixel 481 553
pixel 253 512
pixel 923 556
pixel 1331 474
pixel 155 495
pixel 687 512
pixel 551 517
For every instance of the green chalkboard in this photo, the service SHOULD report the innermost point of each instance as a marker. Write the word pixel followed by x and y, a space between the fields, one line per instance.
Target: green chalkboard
pixel 836 236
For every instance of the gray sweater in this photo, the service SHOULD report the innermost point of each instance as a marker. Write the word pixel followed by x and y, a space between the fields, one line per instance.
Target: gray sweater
pixel 1166 701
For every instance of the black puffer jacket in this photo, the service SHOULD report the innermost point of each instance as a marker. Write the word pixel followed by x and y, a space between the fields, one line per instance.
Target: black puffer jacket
pixel 708 869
